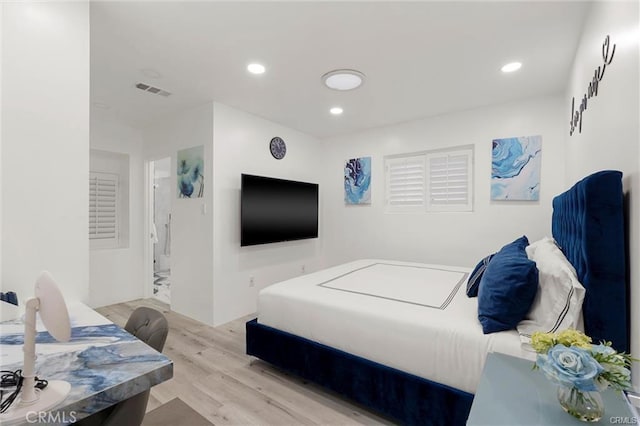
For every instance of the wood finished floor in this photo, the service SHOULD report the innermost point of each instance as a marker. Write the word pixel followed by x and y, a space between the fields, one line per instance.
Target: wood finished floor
pixel 216 378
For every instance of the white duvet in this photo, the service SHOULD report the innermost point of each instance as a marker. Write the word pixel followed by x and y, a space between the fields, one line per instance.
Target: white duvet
pixel 410 316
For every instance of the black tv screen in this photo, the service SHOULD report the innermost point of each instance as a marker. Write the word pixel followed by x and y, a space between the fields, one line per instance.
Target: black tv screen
pixel 274 210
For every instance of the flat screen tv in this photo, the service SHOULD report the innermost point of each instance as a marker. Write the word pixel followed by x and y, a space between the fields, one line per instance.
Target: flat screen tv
pixel 273 210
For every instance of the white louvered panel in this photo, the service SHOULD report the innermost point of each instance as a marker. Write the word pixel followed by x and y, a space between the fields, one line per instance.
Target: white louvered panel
pixel 405 183
pixel 450 181
pixel 103 206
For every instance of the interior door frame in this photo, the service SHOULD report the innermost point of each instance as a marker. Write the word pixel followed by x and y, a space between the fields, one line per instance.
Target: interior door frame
pixel 148 222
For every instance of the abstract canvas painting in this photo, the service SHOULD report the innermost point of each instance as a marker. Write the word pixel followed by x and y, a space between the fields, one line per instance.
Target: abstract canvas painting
pixel 515 168
pixel 190 172
pixel 357 181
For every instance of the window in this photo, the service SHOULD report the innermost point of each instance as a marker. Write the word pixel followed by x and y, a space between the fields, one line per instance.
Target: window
pixel 434 181
pixel 103 209
pixel 108 200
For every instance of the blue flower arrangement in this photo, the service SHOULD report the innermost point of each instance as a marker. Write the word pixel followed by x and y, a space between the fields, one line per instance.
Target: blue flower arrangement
pixel 571 366
pixel 568 358
pixel 581 370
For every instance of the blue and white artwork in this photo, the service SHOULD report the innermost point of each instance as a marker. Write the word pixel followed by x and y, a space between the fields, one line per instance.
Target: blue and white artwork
pixel 515 168
pixel 357 181
pixel 190 172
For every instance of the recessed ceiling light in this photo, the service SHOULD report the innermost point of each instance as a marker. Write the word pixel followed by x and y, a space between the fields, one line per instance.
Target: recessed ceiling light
pixel 336 110
pixel 511 67
pixel 256 68
pixel 151 73
pixel 343 79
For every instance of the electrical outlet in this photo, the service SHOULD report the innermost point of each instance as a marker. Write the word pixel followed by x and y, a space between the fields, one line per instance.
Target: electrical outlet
pixel 252 281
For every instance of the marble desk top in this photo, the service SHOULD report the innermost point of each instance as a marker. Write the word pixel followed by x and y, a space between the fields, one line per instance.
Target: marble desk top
pixel 103 363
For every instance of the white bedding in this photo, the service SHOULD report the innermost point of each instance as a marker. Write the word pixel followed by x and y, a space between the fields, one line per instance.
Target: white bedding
pixel 410 316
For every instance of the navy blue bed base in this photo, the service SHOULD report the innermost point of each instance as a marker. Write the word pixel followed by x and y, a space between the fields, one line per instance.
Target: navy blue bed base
pixel 400 396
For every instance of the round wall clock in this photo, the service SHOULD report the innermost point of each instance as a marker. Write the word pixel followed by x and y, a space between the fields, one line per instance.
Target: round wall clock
pixel 278 148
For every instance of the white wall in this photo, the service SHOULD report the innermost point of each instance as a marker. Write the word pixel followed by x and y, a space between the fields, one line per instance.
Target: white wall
pixel 191 219
pixel 610 129
pixel 1 133
pixel 359 231
pixel 116 275
pixel 45 145
pixel 241 145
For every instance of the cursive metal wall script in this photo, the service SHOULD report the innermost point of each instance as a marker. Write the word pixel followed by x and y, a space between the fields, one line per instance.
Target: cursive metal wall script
pixel 592 89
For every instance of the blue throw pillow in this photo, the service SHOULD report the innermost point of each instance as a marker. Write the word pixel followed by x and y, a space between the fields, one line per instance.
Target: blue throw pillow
pixel 507 288
pixel 474 279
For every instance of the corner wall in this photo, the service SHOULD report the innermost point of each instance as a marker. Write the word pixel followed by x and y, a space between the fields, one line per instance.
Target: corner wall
pixel 366 231
pixel 45 145
pixel 116 274
pixel 241 145
pixel 191 219
pixel 610 134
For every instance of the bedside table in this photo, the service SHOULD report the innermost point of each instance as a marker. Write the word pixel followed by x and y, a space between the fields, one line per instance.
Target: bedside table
pixel 511 394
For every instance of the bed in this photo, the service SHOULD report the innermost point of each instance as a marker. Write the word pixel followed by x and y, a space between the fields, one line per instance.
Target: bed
pixel 407 376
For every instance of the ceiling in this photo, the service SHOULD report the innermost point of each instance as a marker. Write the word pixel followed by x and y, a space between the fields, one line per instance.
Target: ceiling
pixel 420 58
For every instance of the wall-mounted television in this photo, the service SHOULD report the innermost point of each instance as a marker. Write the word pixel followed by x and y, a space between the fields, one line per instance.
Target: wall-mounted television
pixel 274 210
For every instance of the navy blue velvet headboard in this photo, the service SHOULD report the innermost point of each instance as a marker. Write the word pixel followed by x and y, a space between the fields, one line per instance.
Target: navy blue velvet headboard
pixel 588 224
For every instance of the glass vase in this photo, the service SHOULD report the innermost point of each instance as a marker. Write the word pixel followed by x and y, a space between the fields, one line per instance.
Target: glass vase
pixel 585 406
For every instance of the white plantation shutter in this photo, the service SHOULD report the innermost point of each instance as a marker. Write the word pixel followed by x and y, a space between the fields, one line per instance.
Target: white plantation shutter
pixel 103 209
pixel 449 177
pixel 430 181
pixel 405 183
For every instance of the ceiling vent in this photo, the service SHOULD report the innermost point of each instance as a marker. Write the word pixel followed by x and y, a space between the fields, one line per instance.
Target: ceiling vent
pixel 151 89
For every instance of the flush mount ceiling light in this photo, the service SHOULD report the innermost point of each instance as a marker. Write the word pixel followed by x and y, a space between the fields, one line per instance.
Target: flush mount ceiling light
pixel 256 68
pixel 343 79
pixel 511 67
pixel 336 110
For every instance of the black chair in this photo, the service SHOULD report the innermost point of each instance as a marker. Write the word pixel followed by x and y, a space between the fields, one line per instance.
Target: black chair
pixel 151 327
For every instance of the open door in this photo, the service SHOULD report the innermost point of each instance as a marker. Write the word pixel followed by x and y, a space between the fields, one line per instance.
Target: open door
pixel 160 233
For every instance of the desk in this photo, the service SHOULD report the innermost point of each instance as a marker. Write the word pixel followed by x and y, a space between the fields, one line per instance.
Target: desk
pixel 511 394
pixel 103 363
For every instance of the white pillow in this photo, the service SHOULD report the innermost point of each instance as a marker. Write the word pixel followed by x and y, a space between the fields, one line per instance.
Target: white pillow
pixel 558 302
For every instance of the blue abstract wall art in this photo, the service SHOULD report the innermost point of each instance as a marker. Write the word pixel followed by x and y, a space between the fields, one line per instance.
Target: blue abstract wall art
pixel 357 181
pixel 190 172
pixel 515 168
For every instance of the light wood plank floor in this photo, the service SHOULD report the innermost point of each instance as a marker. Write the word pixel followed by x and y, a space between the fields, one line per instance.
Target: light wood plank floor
pixel 215 377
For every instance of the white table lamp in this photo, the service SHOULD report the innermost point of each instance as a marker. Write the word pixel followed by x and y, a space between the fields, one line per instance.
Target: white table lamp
pixel 49 302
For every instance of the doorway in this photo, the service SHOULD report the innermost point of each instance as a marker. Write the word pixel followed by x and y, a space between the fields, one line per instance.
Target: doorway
pixel 161 229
